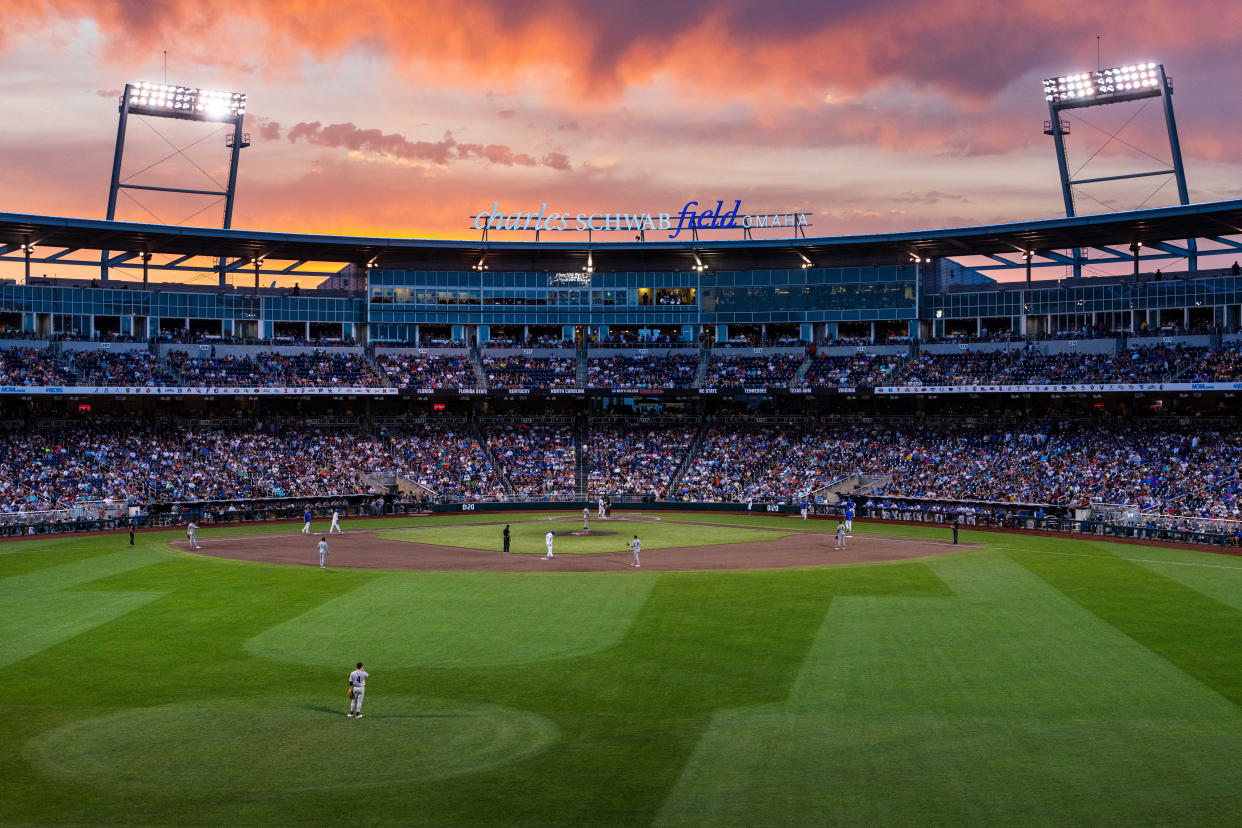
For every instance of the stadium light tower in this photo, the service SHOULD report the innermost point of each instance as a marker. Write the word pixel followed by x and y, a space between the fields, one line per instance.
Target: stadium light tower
pixel 184 103
pixel 1117 84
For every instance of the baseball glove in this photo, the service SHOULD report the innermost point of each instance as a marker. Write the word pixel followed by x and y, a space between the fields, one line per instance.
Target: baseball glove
pixel 351 692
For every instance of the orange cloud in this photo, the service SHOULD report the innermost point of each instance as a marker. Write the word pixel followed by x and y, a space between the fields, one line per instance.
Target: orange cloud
pixel 760 49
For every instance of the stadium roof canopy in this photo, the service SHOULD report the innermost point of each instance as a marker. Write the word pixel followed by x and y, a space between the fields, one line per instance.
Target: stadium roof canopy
pixel 1209 220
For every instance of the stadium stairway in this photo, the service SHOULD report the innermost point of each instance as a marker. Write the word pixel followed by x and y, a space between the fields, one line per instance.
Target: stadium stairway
pixel 368 355
pixel 684 465
pixel 487 450
pixel 476 360
pixel 581 355
pixel 705 358
pixel 801 372
pixel 581 460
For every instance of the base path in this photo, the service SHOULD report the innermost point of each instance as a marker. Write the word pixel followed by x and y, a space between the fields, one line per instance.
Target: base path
pixel 361 549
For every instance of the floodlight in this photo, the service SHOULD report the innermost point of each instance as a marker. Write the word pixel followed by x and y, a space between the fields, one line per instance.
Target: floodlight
pixel 185 102
pixel 1139 80
pixel 481 264
pixel 806 263
pixel 698 263
pixel 590 264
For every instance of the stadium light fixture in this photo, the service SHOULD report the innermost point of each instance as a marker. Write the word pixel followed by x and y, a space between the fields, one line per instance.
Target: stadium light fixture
pixel 698 263
pixel 186 102
pixel 481 264
pixel 590 264
pixel 806 262
pixel 1138 80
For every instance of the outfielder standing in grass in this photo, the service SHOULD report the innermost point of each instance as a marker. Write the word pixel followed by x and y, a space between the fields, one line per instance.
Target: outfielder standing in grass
pixel 636 545
pixel 357 689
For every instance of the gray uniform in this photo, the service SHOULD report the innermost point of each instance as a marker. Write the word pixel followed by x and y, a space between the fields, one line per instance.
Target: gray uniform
pixel 358 681
pixel 191 532
pixel 636 545
pixel 323 553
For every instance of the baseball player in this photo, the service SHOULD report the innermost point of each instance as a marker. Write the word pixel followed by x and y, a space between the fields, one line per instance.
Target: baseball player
pixel 357 688
pixel 840 535
pixel 955 526
pixel 191 532
pixel 586 519
pixel 548 540
pixel 849 515
pixel 323 553
pixel 506 535
pixel 306 516
pixel 804 508
pixel 336 522
pixel 601 507
pixel 636 545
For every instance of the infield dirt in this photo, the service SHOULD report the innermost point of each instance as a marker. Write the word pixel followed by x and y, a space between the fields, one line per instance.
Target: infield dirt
pixel 362 549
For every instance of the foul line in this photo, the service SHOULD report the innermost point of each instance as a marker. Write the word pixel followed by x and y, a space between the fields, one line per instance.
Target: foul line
pixel 1132 560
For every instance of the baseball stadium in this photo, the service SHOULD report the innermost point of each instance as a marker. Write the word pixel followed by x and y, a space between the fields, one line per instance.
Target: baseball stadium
pixel 683 516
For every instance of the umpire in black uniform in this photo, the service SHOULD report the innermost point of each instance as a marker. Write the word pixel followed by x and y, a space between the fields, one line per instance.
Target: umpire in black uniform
pixel 507 539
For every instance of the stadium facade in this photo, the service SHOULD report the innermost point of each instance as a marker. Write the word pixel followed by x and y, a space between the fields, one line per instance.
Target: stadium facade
pixel 869 290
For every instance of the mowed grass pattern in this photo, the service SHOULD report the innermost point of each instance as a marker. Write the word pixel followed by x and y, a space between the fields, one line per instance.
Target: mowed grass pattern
pixel 1031 681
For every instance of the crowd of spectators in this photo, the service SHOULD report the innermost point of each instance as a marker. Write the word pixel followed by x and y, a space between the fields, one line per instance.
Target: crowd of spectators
pixel 672 371
pixel 852 370
pixel 427 370
pixel 636 460
pixel 756 461
pixel 119 368
pixel 1150 465
pixel 773 371
pixel 321 369
pixel 530 372
pixel 1167 466
pixel 32 366
pixel 199 372
pixel 51 470
pixel 445 458
pixel 538 461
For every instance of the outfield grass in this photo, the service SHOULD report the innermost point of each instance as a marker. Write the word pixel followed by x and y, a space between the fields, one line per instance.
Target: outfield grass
pixel 1031 681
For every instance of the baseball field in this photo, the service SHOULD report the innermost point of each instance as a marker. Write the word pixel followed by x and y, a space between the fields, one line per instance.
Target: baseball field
pixel 1010 680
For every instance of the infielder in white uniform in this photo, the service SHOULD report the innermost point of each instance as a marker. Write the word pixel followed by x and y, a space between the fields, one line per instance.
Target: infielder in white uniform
pixel 323 552
pixel 586 519
pixel 336 522
pixel 840 535
pixel 601 507
pixel 636 545
pixel 548 540
pixel 191 532
pixel 357 688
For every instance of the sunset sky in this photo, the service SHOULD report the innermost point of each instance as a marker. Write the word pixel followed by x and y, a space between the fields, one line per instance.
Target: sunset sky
pixel 405 117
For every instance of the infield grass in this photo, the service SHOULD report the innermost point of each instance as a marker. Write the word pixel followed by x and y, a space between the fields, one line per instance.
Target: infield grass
pixel 1032 681
pixel 527 534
